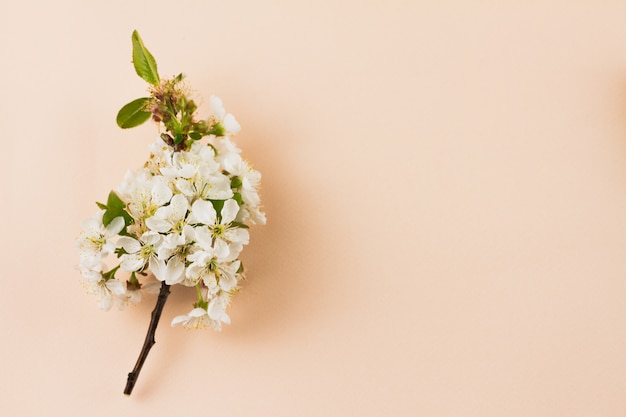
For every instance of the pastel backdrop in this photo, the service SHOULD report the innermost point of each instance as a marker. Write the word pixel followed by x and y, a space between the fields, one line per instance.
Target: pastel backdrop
pixel 445 186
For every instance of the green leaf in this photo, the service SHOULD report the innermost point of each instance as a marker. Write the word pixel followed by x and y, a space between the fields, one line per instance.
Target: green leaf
pixel 144 62
pixel 102 206
pixel 218 205
pixel 195 135
pixel 111 274
pixel 237 197
pixel 133 114
pixel 115 207
pixel 179 78
pixel 235 182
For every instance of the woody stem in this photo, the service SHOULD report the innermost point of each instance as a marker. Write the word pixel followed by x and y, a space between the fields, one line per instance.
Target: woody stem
pixel 149 341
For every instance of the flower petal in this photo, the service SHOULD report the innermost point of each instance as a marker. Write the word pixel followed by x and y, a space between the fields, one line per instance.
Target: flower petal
pixel 216 311
pixel 227 281
pixel 204 238
pixel 231 124
pixel 174 271
pixel 160 193
pixel 229 211
pixel 202 211
pixel 238 235
pixel 197 312
pixel 129 244
pixel 179 206
pixel 116 226
pixel 157 224
pixel 217 107
pixel 116 286
pixel 132 262
pixel 105 302
pixel 180 319
pixel 221 249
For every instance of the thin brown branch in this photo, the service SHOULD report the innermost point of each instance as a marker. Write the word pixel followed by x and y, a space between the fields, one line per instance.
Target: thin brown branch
pixel 149 342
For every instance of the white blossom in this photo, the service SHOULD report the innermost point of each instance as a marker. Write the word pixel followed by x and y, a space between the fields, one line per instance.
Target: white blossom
pixel 219 232
pixel 106 290
pixel 171 217
pixel 95 242
pixel 228 121
pixel 144 194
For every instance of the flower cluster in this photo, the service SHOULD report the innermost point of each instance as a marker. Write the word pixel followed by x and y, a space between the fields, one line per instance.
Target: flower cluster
pixel 184 218
pixel 181 219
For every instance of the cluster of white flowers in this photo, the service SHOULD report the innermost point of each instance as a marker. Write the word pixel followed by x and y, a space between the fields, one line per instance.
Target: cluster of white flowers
pixel 185 219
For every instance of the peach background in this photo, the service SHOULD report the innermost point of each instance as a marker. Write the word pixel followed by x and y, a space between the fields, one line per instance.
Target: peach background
pixel 445 184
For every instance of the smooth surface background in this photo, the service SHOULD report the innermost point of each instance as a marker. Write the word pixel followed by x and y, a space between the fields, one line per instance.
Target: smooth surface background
pixel 446 192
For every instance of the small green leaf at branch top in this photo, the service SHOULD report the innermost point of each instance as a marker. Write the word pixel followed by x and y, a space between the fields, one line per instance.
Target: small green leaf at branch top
pixel 144 62
pixel 133 114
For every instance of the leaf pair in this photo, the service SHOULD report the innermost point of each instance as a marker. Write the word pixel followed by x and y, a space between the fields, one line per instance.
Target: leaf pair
pixel 135 113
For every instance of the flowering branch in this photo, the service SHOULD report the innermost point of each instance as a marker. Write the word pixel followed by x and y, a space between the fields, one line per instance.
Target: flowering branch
pixel 149 341
pixel 182 218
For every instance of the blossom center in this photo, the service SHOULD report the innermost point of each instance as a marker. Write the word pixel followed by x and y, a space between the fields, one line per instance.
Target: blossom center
pixel 146 251
pixel 218 230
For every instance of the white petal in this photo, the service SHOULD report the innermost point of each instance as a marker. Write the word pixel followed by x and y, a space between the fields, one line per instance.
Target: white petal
pixel 179 319
pixel 217 107
pixel 187 171
pixel 231 125
pixel 234 164
pixel 157 224
pixel 194 270
pixel 116 226
pixel 151 238
pixel 188 234
pixel 201 257
pixel 221 249
pixel 90 275
pixel 179 206
pixel 174 271
pixel 157 266
pixel 160 192
pixel 132 262
pixel 234 249
pixel 229 211
pixel 185 187
pixel 227 282
pixel 220 188
pixel 238 235
pixel 105 302
pixel 173 240
pixel 93 224
pixel 203 212
pixel 216 311
pixel 197 312
pixel 107 248
pixel 250 197
pixel 116 287
pixel 90 261
pixel 129 244
pixel 204 238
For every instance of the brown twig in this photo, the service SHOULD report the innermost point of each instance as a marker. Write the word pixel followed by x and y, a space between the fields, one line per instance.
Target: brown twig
pixel 149 342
